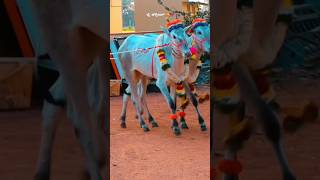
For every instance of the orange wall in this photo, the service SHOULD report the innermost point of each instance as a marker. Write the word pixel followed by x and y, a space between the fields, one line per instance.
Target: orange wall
pixel 115 16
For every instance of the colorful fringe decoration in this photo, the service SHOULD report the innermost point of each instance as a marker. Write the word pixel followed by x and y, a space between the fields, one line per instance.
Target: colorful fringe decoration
pixel 203 97
pixel 198 22
pixel 226 89
pixel 180 91
pixel 174 24
pixel 192 88
pixel 164 62
pixel 231 167
pixel 182 100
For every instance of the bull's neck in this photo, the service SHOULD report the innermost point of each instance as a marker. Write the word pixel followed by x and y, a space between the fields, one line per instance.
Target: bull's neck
pixel 175 51
pixel 176 57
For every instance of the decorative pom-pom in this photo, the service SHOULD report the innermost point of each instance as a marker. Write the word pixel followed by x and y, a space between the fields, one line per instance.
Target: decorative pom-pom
pixel 173 116
pixel 193 50
pixel 182 114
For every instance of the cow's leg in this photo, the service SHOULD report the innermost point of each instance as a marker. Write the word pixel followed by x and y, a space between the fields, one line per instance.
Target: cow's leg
pixel 133 78
pixel 195 104
pixel 51 115
pixel 164 90
pixel 144 84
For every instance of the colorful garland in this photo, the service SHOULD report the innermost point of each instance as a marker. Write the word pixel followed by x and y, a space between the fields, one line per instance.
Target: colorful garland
pixel 164 62
pixel 180 91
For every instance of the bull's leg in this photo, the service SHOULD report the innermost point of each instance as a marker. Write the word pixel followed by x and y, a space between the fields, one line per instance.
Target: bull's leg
pixel 75 87
pixel 51 114
pixel 182 119
pixel 195 104
pixel 144 84
pixel 262 112
pixel 133 83
pixel 178 101
pixel 102 116
pixel 164 90
pixel 240 130
pixel 125 100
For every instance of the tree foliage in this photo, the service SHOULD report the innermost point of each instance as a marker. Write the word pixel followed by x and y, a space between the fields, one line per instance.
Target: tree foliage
pixel 187 17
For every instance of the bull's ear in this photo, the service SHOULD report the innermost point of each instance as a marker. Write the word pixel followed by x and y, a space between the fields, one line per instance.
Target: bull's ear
pixel 165 30
pixel 187 29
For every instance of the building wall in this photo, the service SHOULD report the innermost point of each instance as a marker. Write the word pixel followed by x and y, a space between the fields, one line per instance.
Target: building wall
pixel 152 23
pixel 115 16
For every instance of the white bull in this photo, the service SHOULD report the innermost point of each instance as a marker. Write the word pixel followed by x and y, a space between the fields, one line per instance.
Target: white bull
pixel 200 41
pixel 142 66
pixel 75 33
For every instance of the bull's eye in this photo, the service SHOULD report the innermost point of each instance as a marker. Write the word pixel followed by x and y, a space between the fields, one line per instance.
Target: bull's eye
pixel 174 37
pixel 199 32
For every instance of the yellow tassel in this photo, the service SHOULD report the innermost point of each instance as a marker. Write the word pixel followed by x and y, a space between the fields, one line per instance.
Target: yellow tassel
pixel 160 53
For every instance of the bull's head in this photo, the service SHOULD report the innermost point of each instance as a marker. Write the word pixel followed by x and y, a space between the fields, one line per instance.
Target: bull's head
pixel 177 32
pixel 200 30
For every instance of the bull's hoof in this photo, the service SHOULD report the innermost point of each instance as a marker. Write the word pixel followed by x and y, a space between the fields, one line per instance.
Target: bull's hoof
pixel 154 124
pixel 289 176
pixel 145 128
pixel 176 131
pixel 184 125
pixel 42 176
pixel 123 125
pixel 203 127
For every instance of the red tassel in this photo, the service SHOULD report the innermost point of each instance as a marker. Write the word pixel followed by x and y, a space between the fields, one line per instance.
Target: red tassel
pixel 179 87
pixel 182 114
pixel 173 116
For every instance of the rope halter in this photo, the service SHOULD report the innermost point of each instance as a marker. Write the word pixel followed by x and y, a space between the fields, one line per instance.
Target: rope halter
pixel 196 23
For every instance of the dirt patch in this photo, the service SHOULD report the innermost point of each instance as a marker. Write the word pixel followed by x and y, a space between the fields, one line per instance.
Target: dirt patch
pixel 159 154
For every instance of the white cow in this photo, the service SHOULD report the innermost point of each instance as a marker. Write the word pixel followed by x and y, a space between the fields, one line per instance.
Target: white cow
pixel 75 32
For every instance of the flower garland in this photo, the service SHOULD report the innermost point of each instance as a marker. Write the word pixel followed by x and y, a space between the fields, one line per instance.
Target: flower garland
pixel 164 62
